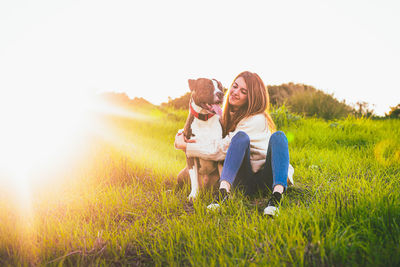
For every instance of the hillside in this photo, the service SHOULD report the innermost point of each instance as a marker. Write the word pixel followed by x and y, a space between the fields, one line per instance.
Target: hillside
pixel 298 98
pixel 117 202
pixel 123 100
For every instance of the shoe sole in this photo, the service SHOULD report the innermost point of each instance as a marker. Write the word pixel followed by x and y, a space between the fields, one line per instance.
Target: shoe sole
pixel 213 207
pixel 271 211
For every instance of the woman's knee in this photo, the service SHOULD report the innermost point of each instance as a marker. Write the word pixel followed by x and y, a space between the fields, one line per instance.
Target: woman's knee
pixel 278 137
pixel 241 137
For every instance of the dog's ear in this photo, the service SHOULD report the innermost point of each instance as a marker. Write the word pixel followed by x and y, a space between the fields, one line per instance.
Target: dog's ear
pixel 192 84
pixel 220 87
pixel 223 89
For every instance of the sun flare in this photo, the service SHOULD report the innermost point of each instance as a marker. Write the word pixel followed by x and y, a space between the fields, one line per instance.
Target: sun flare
pixel 37 128
pixel 40 133
pixel 47 132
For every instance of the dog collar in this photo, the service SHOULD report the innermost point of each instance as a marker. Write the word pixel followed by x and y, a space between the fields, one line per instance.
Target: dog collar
pixel 200 116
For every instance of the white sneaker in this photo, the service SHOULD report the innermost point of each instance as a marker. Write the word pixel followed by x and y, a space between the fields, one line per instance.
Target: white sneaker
pixel 220 197
pixel 272 208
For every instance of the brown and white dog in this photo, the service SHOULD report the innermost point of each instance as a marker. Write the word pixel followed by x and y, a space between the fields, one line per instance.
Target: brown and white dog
pixel 203 124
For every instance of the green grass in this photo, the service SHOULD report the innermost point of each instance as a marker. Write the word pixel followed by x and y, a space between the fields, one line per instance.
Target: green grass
pixel 117 202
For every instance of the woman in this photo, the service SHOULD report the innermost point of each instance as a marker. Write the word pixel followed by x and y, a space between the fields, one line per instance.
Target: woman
pixel 255 156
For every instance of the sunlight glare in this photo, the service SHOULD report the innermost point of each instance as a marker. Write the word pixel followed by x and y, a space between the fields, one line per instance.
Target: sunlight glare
pixel 39 131
pixel 43 131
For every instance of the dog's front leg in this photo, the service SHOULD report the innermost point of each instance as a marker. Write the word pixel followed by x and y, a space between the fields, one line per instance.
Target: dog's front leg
pixel 194 178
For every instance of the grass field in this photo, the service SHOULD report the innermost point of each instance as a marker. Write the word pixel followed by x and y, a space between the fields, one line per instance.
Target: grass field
pixel 115 201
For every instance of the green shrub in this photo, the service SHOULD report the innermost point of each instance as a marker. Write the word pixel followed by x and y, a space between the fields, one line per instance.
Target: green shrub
pixel 179 102
pixel 279 94
pixel 394 112
pixel 282 117
pixel 318 104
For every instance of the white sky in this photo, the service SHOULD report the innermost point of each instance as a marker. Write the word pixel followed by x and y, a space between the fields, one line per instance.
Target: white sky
pixel 150 48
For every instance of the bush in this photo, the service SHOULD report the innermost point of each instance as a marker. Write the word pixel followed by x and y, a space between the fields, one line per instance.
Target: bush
pixel 282 117
pixel 178 103
pixel 279 94
pixel 123 100
pixel 317 103
pixel 394 112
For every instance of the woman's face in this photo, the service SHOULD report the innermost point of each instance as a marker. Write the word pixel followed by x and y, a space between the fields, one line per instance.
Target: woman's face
pixel 238 93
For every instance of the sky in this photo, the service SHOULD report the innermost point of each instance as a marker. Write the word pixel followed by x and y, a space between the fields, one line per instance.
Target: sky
pixel 151 48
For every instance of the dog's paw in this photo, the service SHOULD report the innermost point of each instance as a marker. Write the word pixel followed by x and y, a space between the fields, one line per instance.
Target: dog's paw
pixel 192 196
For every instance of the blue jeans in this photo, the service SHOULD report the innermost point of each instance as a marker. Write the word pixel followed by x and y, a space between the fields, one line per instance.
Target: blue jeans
pixel 237 168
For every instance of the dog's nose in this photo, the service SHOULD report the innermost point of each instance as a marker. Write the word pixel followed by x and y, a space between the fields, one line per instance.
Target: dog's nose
pixel 220 95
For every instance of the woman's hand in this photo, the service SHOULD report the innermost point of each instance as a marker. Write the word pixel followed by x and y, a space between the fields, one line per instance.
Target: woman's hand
pixel 181 141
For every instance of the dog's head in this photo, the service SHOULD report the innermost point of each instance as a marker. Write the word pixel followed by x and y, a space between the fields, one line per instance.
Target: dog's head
pixel 207 93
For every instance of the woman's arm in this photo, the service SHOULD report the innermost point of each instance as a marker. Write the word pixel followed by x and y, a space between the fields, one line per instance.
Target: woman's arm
pixel 214 150
pixel 181 141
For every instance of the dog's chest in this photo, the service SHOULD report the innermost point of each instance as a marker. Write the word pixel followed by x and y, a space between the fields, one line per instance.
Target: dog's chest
pixel 207 130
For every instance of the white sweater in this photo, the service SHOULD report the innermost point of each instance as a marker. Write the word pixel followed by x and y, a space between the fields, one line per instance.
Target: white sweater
pixel 256 127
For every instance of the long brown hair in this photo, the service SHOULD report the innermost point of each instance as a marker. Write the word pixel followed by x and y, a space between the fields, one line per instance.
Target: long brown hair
pixel 257 102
